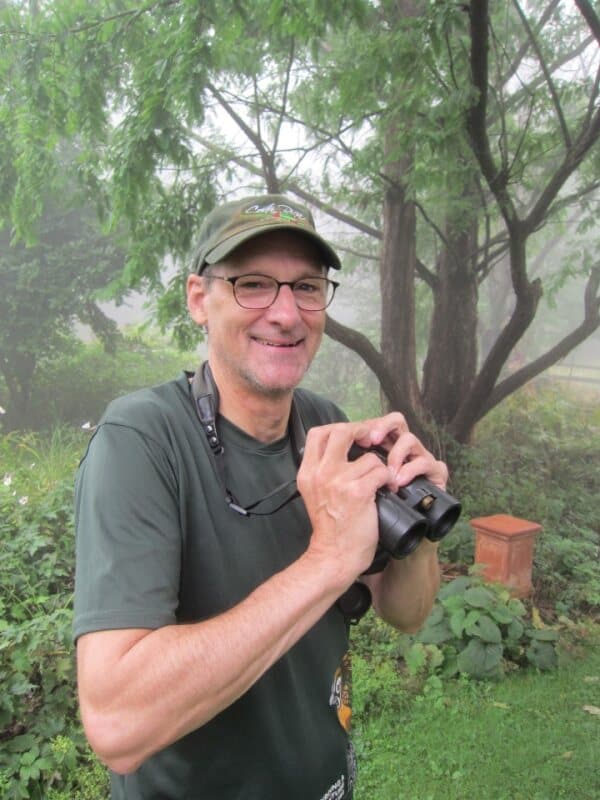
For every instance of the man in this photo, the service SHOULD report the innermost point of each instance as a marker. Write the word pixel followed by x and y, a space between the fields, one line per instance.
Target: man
pixel 210 643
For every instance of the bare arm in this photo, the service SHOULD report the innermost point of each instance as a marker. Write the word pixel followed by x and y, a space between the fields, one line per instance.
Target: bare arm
pixel 404 592
pixel 141 690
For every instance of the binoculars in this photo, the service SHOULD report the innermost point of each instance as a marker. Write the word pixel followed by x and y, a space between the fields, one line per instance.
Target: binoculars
pixel 415 511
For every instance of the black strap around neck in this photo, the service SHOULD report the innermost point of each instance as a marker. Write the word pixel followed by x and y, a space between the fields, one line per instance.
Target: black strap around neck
pixel 206 403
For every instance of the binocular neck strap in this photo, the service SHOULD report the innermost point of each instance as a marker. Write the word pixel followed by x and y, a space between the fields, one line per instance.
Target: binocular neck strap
pixel 206 403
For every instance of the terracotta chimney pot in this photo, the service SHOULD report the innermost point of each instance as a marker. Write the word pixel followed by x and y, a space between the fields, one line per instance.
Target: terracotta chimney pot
pixel 504 546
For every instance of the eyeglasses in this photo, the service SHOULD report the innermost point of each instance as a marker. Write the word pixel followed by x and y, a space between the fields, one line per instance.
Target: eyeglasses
pixel 261 291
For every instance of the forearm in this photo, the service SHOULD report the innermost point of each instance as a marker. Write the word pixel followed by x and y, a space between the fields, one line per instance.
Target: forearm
pixel 404 592
pixel 173 680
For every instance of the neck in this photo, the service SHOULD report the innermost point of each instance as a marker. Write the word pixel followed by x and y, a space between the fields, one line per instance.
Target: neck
pixel 263 416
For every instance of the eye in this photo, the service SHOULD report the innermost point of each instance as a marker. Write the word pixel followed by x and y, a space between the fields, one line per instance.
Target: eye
pixel 308 286
pixel 254 283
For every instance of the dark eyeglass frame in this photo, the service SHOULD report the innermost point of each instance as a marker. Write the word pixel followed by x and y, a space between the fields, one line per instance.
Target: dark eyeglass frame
pixel 291 284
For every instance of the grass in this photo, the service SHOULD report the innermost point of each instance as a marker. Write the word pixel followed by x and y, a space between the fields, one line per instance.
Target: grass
pixel 528 737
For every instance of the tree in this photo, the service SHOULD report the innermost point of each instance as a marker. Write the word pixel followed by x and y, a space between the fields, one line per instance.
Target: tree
pixel 44 288
pixel 446 142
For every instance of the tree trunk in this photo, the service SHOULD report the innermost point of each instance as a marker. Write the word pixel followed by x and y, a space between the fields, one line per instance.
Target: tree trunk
pixel 527 298
pixel 397 280
pixel 451 362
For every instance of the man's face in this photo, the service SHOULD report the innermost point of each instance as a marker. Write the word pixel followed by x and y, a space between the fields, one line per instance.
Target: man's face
pixel 260 351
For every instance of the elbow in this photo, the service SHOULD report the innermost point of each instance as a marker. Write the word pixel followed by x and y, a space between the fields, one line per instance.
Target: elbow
pixel 402 623
pixel 408 617
pixel 112 742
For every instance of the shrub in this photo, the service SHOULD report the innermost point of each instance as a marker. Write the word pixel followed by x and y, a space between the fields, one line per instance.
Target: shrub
pixel 536 457
pixel 42 739
pixel 75 386
pixel 475 628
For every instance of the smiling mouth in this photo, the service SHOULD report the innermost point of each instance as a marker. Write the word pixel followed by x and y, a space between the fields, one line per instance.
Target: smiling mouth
pixel 268 343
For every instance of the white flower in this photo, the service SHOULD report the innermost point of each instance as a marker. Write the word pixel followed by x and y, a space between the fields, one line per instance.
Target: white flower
pixel 7 480
pixel 23 500
pixel 86 426
pixel 2 410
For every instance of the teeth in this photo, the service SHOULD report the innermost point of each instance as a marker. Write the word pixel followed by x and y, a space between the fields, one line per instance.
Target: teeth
pixel 277 344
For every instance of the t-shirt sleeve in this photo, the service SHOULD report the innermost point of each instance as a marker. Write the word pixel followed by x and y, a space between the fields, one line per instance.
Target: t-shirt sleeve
pixel 128 536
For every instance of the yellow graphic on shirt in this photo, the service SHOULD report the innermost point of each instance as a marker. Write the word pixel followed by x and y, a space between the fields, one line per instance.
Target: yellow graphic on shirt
pixel 341 692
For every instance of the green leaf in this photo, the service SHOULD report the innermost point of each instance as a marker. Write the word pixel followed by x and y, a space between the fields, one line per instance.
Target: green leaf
pixel 436 615
pixel 502 615
pixel 416 658
pixel 479 597
pixel 436 634
pixel 542 655
pixel 471 618
pixel 480 659
pixel 456 586
pixel 514 631
pixel 485 629
pixel 457 620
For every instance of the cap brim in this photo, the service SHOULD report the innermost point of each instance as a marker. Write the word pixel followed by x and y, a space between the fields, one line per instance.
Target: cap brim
pixel 233 242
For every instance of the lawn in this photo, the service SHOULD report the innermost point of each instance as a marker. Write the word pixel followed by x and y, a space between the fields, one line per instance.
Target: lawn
pixel 531 736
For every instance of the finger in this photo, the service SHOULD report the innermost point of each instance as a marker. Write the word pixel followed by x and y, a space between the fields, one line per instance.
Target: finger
pixel 435 471
pixel 409 458
pixel 326 457
pixel 332 442
pixel 384 431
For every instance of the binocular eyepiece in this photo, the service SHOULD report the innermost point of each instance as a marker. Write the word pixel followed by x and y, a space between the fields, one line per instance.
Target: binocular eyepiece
pixel 415 511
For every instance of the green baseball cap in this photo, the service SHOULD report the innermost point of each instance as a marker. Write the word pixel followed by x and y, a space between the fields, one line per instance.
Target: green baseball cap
pixel 231 224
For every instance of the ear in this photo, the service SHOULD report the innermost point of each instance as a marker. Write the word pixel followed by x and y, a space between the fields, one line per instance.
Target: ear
pixel 196 291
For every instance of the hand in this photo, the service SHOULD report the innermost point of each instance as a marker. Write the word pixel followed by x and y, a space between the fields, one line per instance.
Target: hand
pixel 407 456
pixel 339 496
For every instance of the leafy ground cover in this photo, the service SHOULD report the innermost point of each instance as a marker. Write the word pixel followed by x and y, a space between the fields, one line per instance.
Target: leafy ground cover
pixel 532 737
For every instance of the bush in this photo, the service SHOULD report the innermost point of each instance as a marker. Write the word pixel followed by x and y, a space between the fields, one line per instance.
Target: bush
pixel 535 457
pixel 42 739
pixel 76 386
pixel 475 629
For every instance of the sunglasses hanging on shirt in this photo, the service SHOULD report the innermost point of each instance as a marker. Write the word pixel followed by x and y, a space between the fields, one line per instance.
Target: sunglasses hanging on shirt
pixel 206 403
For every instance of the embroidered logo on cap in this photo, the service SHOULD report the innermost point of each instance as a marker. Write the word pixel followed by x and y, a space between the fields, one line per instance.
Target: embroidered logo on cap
pixel 278 212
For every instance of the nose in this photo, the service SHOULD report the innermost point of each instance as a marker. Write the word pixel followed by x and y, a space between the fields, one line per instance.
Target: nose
pixel 284 309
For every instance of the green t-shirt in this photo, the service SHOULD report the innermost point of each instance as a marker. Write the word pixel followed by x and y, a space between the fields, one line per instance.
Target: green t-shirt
pixel 157 545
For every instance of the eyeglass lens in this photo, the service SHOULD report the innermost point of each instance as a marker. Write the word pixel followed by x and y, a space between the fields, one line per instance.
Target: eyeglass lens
pixel 260 291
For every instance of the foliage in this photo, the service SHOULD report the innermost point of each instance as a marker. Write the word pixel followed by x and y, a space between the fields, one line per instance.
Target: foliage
pixel 475 629
pixel 49 285
pixel 478 628
pixel 75 386
pixel 444 144
pixel 41 734
pixel 535 458
pixel 337 373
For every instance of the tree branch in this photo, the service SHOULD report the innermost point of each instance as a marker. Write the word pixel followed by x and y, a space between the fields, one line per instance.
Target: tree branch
pixel 522 52
pixel 286 89
pixel 590 323
pixel 358 343
pixel 550 83
pixel 590 16
pixel 476 114
pixel 585 141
